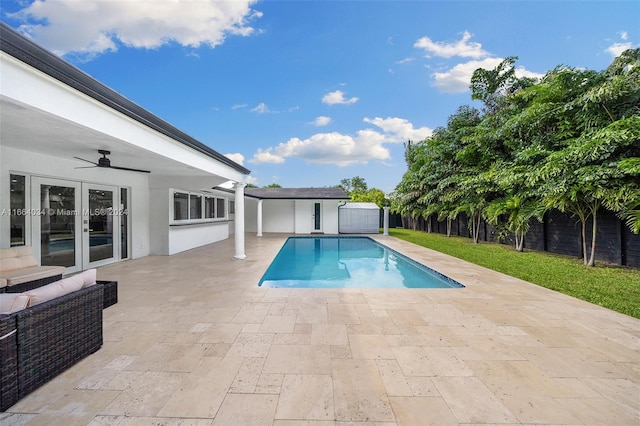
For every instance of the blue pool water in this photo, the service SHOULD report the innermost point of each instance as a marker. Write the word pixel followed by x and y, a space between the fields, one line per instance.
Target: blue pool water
pixel 347 262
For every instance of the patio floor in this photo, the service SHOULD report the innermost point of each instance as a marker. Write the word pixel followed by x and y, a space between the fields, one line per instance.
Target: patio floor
pixel 194 341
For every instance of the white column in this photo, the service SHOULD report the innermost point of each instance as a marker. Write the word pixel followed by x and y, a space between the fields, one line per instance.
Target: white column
pixel 239 221
pixel 385 222
pixel 259 218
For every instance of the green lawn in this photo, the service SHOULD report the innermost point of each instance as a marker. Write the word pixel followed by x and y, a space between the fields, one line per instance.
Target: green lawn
pixel 615 288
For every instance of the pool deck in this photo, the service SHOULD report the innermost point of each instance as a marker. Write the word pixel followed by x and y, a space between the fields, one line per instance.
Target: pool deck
pixel 194 341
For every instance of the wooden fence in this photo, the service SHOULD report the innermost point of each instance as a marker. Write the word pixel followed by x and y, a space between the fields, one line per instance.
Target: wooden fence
pixel 558 233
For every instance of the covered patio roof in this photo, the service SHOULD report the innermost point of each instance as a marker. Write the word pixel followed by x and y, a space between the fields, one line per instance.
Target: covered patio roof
pixel 297 193
pixel 51 107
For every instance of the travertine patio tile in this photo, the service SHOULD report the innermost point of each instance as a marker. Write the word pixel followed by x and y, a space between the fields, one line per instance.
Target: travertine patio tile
pixel 394 381
pixel 277 324
pixel 251 345
pixel 367 346
pixel 144 421
pixel 169 357
pixel 142 393
pixel 298 359
pixel 342 314
pixel 570 362
pixel 212 377
pixel 248 375
pixel 221 333
pixel 246 409
pixel 359 394
pixel 308 397
pixel 471 402
pixel 434 361
pixel 492 353
pixel 525 390
pixel 423 411
pixel 329 334
pixel 597 412
pixel 402 317
pixel 312 314
pixel 252 313
pixel 269 383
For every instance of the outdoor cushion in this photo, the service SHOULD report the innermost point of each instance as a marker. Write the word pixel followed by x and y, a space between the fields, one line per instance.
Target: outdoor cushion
pixel 62 287
pixel 23 275
pixel 3 282
pixel 16 257
pixel 13 302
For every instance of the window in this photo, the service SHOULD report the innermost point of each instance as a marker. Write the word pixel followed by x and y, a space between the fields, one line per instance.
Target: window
pixel 220 203
pixel 180 206
pixel 209 207
pixel 18 210
pixel 232 207
pixel 195 207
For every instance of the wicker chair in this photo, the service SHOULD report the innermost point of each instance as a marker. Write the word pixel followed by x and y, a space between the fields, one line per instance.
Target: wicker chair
pixel 40 342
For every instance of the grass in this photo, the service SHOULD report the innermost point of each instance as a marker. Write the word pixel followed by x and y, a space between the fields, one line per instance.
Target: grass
pixel 612 287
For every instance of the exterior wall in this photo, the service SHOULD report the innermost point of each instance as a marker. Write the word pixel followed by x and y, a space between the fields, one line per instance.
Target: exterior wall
pixel 291 216
pixel 303 220
pixel 31 163
pixel 278 216
pixel 330 214
pixel 168 239
pixel 186 237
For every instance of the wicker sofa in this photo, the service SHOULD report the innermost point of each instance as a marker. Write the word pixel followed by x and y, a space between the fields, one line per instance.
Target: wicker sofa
pixel 41 341
pixel 19 271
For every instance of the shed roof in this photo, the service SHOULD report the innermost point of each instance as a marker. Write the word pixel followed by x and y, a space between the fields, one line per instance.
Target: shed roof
pixel 297 193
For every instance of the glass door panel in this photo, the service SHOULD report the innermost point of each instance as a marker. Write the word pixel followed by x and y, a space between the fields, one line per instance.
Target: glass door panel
pixel 101 225
pixel 56 223
pixel 316 217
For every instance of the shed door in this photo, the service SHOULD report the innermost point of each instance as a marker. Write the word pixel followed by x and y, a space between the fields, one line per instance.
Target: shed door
pixel 316 217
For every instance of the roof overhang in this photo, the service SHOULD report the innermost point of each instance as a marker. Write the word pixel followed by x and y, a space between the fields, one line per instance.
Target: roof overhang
pixel 50 107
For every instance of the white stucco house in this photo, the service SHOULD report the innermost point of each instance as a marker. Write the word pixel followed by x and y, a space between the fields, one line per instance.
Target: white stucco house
pixel 88 177
pixel 293 210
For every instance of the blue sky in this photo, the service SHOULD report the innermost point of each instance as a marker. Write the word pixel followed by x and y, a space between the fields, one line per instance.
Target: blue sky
pixel 306 93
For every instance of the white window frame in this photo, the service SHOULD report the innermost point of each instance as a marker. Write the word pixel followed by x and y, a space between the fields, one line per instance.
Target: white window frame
pixel 203 210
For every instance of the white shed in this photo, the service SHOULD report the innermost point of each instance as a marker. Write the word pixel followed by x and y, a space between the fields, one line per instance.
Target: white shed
pixel 359 218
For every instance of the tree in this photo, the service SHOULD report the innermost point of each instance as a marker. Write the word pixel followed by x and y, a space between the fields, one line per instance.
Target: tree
pixel 354 184
pixel 273 185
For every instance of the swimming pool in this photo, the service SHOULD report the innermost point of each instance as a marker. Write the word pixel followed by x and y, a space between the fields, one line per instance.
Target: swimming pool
pixel 348 262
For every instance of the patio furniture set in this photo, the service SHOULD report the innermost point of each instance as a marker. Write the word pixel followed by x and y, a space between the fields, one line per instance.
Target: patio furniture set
pixel 47 324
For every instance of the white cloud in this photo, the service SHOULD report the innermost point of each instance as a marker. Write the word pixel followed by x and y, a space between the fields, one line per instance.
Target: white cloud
pixel 342 150
pixel 624 35
pixel 322 120
pixel 236 156
pixel 405 60
pixel 337 97
pixel 262 108
pixel 458 78
pixel 91 27
pixel 398 130
pixel 239 106
pixel 462 47
pixel 617 48
pixel 266 156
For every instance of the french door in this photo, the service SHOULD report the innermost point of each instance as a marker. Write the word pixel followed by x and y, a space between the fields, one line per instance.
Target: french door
pixel 317 220
pixel 75 225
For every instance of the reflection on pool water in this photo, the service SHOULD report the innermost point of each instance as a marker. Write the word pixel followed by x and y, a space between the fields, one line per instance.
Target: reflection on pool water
pixel 348 262
pixel 69 243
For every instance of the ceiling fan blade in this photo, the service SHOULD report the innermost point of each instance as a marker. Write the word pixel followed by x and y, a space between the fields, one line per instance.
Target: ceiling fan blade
pixel 128 169
pixel 78 158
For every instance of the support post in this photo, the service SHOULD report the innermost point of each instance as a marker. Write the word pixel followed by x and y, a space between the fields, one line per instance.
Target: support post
pixel 239 222
pixel 259 225
pixel 385 229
